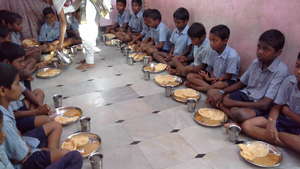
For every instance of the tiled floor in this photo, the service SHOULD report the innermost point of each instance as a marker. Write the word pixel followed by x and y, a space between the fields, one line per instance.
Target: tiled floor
pixel 139 126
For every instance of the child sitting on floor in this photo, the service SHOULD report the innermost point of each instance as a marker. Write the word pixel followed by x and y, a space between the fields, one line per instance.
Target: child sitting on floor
pixel 31 111
pixel 122 18
pixel 282 127
pixel 179 40
pixel 145 28
pixel 225 66
pixel 23 154
pixel 254 93
pixel 200 55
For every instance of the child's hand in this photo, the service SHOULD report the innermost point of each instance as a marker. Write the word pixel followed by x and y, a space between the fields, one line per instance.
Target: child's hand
pixel 286 110
pixel 214 97
pixel 43 110
pixel 205 75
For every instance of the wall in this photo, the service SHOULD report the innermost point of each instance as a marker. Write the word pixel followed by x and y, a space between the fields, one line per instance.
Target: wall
pixel 247 19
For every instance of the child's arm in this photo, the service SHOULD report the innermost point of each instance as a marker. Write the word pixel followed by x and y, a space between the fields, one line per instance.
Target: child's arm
pixel 160 45
pixel 30 97
pixel 188 50
pixel 42 110
pixel 225 77
pixel 271 126
pixel 289 113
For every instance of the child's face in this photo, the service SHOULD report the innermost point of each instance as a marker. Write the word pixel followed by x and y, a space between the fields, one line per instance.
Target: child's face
pixel 153 23
pixel 17 26
pixel 136 8
pixel 50 18
pixel 120 7
pixel 216 42
pixel 297 70
pixel 180 24
pixel 146 21
pixel 197 41
pixel 14 92
pixel 266 53
pixel 19 63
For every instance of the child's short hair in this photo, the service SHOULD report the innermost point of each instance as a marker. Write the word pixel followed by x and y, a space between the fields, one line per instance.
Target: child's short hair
pixel 12 18
pixel 48 11
pixel 122 1
pixel 155 14
pixel 8 75
pixel 274 38
pixel 197 30
pixel 3 16
pixel 4 32
pixel 139 2
pixel 11 51
pixel 181 14
pixel 222 31
pixel 147 13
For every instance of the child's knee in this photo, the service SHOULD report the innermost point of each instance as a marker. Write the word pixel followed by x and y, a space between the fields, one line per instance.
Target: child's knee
pixel 190 76
pixel 237 115
pixel 246 126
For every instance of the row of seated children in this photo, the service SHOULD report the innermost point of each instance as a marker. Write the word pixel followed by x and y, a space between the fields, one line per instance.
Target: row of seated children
pixel 30 138
pixel 210 65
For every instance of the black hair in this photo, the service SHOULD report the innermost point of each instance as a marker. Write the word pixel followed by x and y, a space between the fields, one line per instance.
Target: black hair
pixel 222 31
pixel 8 75
pixel 197 30
pixel 3 17
pixel 122 1
pixel 11 51
pixel 181 14
pixel 4 32
pixel 147 13
pixel 139 2
pixel 12 18
pixel 274 38
pixel 48 11
pixel 299 55
pixel 155 14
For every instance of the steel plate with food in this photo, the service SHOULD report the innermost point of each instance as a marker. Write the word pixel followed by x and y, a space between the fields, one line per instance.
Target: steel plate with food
pixel 48 72
pixel 155 68
pixel 84 142
pixel 67 115
pixel 182 95
pixel 137 56
pixel 260 154
pixel 167 80
pixel 210 117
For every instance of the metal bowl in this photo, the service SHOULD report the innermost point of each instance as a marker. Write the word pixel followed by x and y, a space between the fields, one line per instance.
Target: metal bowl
pixel 208 125
pixel 183 101
pixel 177 79
pixel 60 112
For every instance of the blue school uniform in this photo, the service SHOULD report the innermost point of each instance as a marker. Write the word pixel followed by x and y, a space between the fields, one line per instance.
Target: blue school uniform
pixel 180 40
pixel 4 161
pixel 161 34
pixel 136 22
pixel 15 37
pixel 123 18
pixel 49 33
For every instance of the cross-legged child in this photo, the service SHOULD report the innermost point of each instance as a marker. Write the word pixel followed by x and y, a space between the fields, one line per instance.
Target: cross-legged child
pixel 282 126
pixel 122 18
pixel 201 53
pixel 225 66
pixel 254 93
pixel 23 154
pixel 179 40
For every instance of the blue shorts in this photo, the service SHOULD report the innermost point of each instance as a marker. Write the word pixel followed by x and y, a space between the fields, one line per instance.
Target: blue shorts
pixel 39 134
pixel 38 160
pixel 72 160
pixel 240 96
pixel 284 124
pixel 25 124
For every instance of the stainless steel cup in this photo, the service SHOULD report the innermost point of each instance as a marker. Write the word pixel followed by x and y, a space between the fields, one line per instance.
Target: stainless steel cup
pixel 85 123
pixel 234 132
pixel 146 75
pixel 191 105
pixel 130 60
pixel 146 60
pixel 57 100
pixel 168 91
pixel 96 160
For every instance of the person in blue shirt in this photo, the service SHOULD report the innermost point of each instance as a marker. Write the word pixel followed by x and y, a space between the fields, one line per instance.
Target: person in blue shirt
pixel 145 33
pixel 160 33
pixel 136 20
pixel 179 40
pixel 122 20
pixel 23 151
pixel 224 67
pixel 49 31
pixel 282 125
pixel 4 161
pixel 254 94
